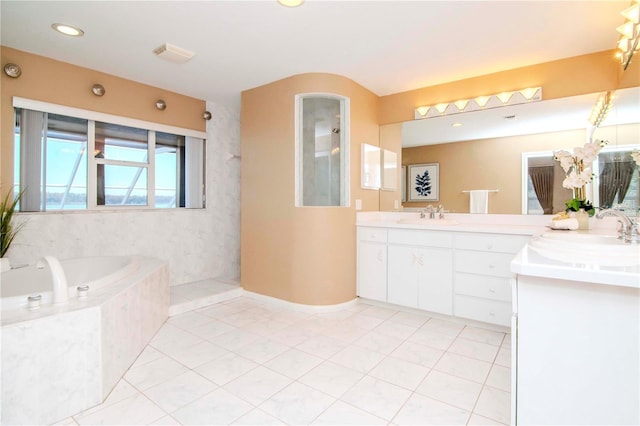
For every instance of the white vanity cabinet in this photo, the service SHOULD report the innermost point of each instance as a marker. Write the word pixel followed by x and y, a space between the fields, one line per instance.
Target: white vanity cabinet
pixel 482 276
pixel 372 263
pixel 419 271
pixel 456 271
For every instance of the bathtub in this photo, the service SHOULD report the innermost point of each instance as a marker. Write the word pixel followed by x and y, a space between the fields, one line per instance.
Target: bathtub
pixel 16 285
pixel 59 360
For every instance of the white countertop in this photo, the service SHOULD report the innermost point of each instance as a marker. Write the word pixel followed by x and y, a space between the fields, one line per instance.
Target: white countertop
pixel 531 263
pixel 487 223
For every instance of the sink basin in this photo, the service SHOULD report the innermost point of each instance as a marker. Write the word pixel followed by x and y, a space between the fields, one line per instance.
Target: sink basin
pixel 429 222
pixel 574 247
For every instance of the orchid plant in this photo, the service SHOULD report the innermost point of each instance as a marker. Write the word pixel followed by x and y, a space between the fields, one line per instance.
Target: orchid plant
pixel 578 173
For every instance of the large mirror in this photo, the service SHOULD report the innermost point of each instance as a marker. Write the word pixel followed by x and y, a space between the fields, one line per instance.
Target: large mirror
pixel 488 149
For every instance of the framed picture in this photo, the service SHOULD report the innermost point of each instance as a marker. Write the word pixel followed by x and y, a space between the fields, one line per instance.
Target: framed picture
pixel 403 183
pixel 424 182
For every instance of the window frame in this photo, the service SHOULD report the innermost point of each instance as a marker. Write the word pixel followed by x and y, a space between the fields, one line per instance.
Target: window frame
pixel 92 163
pixel 345 182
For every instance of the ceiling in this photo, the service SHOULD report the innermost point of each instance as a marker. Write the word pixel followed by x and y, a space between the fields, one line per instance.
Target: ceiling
pixel 386 46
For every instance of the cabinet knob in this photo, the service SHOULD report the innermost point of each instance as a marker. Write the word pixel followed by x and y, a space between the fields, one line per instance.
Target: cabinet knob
pixel 489 246
pixel 492 290
pixel 492 314
pixel 491 266
pixel 380 258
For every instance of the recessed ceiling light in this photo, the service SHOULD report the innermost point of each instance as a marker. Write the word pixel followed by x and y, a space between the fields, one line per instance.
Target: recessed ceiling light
pixel 291 3
pixel 68 30
pixel 456 125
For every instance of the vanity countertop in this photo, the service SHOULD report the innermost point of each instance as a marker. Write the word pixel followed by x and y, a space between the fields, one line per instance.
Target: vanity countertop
pixel 457 222
pixel 615 265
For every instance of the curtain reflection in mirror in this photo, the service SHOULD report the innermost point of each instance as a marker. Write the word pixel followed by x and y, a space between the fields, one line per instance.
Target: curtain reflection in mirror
pixel 542 181
pixel 618 185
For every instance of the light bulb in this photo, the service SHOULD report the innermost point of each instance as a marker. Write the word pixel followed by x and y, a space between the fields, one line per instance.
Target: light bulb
pixel 423 110
pixel 504 96
pixel 461 105
pixel 482 100
pixel 441 107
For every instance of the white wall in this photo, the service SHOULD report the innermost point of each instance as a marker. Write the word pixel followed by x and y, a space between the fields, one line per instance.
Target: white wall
pixel 198 244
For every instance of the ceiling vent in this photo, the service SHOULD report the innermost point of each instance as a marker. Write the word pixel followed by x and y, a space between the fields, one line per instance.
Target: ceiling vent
pixel 173 53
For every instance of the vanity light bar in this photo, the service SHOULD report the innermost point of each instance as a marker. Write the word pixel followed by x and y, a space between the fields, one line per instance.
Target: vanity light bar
pixel 522 96
pixel 601 109
pixel 630 33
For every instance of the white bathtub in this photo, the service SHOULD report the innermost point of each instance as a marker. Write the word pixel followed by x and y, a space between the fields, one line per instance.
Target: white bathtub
pixel 59 360
pixel 18 284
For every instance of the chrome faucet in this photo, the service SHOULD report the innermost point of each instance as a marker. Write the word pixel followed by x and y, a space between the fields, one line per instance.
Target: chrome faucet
pixel 628 231
pixel 431 210
pixel 60 288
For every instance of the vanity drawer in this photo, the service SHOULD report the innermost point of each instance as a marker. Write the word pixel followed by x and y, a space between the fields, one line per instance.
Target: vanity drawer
pixel 421 238
pixel 477 262
pixel 490 311
pixel 372 234
pixel 491 242
pixel 483 286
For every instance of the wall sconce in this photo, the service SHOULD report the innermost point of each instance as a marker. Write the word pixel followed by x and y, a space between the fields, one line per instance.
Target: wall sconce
pixel 98 90
pixel 630 33
pixel 12 70
pixel 161 105
pixel 206 115
pixel 531 94
pixel 601 109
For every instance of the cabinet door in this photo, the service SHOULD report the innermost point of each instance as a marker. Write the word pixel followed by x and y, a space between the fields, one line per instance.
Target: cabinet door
pixel 435 283
pixel 372 270
pixel 404 264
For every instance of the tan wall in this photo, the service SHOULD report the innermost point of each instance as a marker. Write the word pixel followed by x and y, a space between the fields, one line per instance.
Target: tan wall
pixel 303 255
pixel 590 73
pixel 52 81
pixel 497 164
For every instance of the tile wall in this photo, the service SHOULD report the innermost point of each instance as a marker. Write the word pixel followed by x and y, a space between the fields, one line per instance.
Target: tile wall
pixel 197 244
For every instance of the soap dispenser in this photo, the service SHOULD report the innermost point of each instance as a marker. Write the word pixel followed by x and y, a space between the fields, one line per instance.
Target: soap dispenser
pixel 583 220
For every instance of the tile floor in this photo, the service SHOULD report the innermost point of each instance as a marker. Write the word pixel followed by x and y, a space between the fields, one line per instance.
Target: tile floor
pixel 249 362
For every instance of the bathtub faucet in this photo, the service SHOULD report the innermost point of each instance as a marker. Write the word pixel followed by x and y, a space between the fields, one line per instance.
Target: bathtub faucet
pixel 60 289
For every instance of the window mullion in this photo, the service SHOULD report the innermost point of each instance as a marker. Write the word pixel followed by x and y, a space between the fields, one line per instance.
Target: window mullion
pixel 151 171
pixel 92 166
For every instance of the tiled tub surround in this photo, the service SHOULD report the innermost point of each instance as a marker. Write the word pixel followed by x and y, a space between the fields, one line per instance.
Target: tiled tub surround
pixel 59 360
pixel 93 272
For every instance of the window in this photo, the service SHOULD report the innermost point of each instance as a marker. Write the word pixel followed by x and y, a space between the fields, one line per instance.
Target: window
pixel 129 166
pixel 122 161
pixel 322 153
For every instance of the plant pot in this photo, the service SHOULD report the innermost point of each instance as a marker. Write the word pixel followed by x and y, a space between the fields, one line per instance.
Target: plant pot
pixel 5 264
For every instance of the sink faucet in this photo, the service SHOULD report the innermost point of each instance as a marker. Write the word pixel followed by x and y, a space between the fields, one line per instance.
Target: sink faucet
pixel 431 210
pixel 629 228
pixel 60 289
